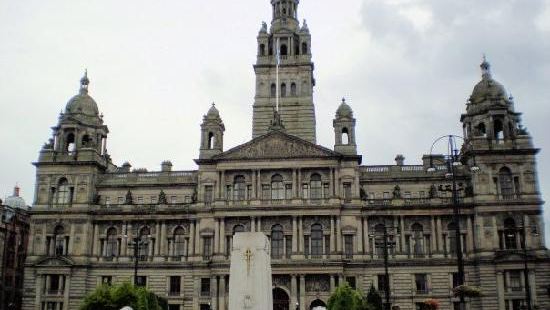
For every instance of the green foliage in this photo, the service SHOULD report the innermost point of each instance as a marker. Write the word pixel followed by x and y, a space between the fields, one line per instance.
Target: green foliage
pixel 346 298
pixel 107 297
pixel 374 300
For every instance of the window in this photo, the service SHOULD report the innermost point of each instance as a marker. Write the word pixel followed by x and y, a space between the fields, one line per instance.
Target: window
pixel 108 280
pixel 239 188
pixel 71 146
pixel 304 49
pixel 382 283
pixel 175 285
pixel 421 283
pixel 284 48
pixel 514 304
pixel 249 191
pixel 288 191
pixel 173 307
pixel 141 281
pixel 345 136
pixel 266 192
pixel 379 242
pixel 316 240
pixel 207 253
pixel 211 140
pixel 316 186
pixel 63 192
pixel 112 243
pixel 288 246
pixel 456 280
pixel 326 190
pixel 173 199
pixel 418 240
pixel 514 277
pixel 60 241
pixel 208 194
pixel 179 242
pixel 273 90
pixel 348 246
pixel 205 287
pixel 351 281
pixel 305 191
pixel 451 229
pixel 153 199
pixel 55 284
pixel 283 90
pixel 506 183
pixel 293 89
pixel 144 242
pixel 277 242
pixel 347 192
pixel 510 234
pixel 498 130
pixel 262 49
pixel 277 188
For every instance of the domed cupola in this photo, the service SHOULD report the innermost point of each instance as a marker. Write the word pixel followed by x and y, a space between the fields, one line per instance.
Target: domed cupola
pixel 15 201
pixel 82 103
pixel 213 112
pixel 344 110
pixel 344 130
pixel 488 89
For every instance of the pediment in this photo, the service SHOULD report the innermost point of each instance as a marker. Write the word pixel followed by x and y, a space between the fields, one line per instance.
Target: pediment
pixel 55 261
pixel 277 145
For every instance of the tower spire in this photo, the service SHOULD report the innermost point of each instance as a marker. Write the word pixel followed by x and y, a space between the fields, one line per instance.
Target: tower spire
pixel 84 82
pixel 485 68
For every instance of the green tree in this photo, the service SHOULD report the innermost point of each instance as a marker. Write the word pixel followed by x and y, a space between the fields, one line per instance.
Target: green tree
pixel 107 297
pixel 374 300
pixel 345 298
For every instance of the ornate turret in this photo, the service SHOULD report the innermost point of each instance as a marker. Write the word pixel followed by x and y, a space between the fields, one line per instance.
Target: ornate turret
pixel 212 129
pixel 344 130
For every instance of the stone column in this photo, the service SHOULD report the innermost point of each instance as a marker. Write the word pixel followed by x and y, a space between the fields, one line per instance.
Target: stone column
pixel 302 292
pixel 157 238
pixel 198 248
pixel 96 240
pixel 359 236
pixel 196 296
pixel 337 182
pixel 439 235
pixel 123 240
pixel 254 185
pixel 526 232
pixel 252 224
pixel 70 250
pixel 216 236
pixel 259 185
pixel 495 233
pixel 332 284
pixel 403 243
pixel 67 288
pixel 294 184
pixel 338 236
pixel 214 292
pixel 221 293
pixel 222 185
pixel 259 226
pixel 293 291
pixel 469 236
pixel 300 235
pixel 500 290
pixel 366 235
pixel 163 239
pixel 299 187
pixel 433 244
pixel 294 235
pixel 222 238
pixel 532 286
pixel 332 236
pixel 331 182
pixel 192 239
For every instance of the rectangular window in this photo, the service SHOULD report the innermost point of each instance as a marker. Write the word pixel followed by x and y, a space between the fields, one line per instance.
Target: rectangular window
pixel 54 284
pixel 515 280
pixel 175 285
pixel 228 192
pixel 306 246
pixel 173 199
pixel 327 245
pixel 386 195
pixel 347 192
pixel 207 248
pixel 173 307
pixel 140 200
pixel 288 246
pixel 288 191
pixel 421 283
pixel 205 287
pixel 208 193
pixel 305 191
pixel 266 192
pixel 249 192
pixel 382 280
pixel 326 190
pixel 351 281
pixel 348 246
pixel 456 281
pixel 141 281
pixel 108 280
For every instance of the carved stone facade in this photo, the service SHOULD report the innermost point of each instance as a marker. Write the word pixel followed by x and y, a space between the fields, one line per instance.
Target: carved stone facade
pixel 323 210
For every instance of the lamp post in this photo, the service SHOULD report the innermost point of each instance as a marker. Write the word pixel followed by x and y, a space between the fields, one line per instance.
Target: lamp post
pixel 523 231
pixel 385 246
pixel 137 243
pixel 453 160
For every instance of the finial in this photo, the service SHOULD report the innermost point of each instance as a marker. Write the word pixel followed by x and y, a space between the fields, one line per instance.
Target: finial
pixel 343 100
pixel 485 67
pixel 16 190
pixel 84 82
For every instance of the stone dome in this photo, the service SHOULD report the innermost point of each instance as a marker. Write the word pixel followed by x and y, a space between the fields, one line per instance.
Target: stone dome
pixel 213 112
pixel 344 110
pixel 82 103
pixel 15 201
pixel 487 88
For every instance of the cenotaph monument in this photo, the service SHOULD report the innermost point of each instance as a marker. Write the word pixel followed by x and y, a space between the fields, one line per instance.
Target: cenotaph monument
pixel 250 285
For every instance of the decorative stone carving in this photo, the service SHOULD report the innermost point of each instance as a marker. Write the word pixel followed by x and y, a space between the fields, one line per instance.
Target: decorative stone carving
pixel 281 281
pixel 318 283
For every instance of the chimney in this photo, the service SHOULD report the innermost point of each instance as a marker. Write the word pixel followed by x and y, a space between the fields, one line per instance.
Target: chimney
pixel 400 160
pixel 166 166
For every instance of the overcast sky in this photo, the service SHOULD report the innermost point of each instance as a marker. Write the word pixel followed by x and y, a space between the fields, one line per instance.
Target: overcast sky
pixel 406 67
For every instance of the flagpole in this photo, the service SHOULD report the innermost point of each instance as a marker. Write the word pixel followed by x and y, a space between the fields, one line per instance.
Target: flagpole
pixel 277 60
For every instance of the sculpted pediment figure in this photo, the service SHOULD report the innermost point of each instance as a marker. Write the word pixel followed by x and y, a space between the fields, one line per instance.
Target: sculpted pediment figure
pixel 276 145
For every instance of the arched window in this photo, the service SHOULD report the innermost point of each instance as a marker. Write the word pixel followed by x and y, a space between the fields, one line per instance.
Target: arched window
pixel 345 136
pixel 86 141
pixel 379 241
pixel 304 49
pixel 498 130
pixel 277 187
pixel 145 242
pixel 451 235
pixel 63 192
pixel 510 234
pixel 316 187
pixel 418 240
pixel 284 50
pixel 283 90
pixel 273 90
pixel 316 240
pixel 481 130
pixel 277 242
pixel 506 183
pixel 112 243
pixel 293 89
pixel 239 188
pixel 70 143
pixel 211 140
pixel 179 241
pixel 262 49
pixel 59 238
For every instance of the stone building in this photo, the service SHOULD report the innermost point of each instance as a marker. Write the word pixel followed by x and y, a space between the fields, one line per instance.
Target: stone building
pixel 14 233
pixel 323 210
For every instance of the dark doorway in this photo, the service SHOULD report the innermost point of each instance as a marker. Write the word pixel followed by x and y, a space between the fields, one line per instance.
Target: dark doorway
pixel 317 303
pixel 281 300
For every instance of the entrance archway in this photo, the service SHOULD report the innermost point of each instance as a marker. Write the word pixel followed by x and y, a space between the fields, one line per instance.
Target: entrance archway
pixel 317 304
pixel 281 301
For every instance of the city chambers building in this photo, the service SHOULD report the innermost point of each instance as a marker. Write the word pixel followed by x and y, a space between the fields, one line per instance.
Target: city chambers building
pixel 330 218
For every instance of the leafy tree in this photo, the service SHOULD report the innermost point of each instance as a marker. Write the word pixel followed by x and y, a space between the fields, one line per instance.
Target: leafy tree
pixel 374 300
pixel 107 297
pixel 346 298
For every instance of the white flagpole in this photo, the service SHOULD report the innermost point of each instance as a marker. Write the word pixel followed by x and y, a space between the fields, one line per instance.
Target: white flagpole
pixel 278 60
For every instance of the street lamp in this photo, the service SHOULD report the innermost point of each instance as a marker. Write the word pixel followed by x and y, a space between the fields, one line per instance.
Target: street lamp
pixel 297 306
pixel 137 243
pixel 385 246
pixel 523 231
pixel 452 161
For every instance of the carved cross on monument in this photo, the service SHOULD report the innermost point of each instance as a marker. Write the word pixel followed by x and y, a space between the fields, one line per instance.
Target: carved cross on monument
pixel 248 257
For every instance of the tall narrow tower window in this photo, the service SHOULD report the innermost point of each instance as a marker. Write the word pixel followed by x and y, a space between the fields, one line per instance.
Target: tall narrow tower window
pixel 498 128
pixel 273 90
pixel 304 48
pixel 293 89
pixel 211 140
pixel 63 192
pixel 283 90
pixel 284 50
pixel 71 146
pixel 506 183
pixel 345 136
